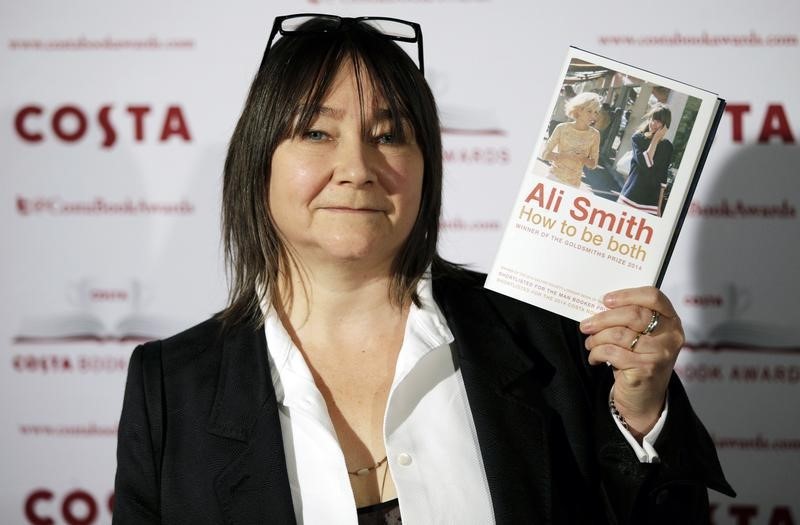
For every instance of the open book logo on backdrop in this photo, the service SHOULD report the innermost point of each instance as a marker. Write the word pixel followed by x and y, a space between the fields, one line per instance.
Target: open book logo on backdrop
pixel 721 316
pixel 469 121
pixel 99 313
pixel 461 120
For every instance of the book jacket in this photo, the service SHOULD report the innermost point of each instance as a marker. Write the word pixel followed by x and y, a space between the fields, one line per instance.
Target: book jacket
pixel 607 187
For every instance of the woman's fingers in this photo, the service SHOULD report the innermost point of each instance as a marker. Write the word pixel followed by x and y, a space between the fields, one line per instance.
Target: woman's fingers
pixel 633 317
pixel 637 309
pixel 638 321
pixel 613 355
pixel 646 296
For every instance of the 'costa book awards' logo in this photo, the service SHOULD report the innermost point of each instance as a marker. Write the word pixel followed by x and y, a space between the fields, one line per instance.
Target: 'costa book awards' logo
pixel 70 123
pixel 76 507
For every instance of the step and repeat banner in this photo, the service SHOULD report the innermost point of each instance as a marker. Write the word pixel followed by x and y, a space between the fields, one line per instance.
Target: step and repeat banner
pixel 114 121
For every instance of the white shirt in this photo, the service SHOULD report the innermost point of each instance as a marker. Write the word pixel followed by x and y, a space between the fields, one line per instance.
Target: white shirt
pixel 429 433
pixel 646 452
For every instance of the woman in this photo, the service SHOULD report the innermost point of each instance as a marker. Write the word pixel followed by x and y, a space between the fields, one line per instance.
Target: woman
pixel 650 160
pixel 355 377
pixel 575 144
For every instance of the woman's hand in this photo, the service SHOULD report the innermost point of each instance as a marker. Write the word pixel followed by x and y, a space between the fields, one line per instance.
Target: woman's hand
pixel 659 135
pixel 576 158
pixel 640 335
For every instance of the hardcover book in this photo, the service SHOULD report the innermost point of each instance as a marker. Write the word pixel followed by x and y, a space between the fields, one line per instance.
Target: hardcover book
pixel 607 187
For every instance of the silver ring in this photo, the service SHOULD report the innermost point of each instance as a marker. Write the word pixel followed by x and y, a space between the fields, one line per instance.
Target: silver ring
pixel 635 340
pixel 653 323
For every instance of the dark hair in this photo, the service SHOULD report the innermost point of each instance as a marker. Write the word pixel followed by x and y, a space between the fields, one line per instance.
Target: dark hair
pixel 659 112
pixel 291 84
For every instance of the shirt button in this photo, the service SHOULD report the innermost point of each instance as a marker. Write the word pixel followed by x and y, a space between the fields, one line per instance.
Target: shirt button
pixel 404 459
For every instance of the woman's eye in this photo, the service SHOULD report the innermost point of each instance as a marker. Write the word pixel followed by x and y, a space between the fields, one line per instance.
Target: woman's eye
pixel 386 138
pixel 314 135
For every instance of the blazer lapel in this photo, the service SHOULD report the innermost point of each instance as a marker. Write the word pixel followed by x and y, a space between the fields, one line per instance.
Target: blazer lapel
pixel 508 408
pixel 254 486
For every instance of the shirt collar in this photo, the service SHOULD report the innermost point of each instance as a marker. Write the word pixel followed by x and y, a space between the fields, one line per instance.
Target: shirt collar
pixel 426 329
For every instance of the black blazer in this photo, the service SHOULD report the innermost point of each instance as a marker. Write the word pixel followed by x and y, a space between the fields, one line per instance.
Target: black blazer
pixel 200 439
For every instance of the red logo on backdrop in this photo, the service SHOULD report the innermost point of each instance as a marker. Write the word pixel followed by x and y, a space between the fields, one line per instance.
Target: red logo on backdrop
pixel 70 123
pixel 77 507
pixel 477 155
pixel 774 123
pixel 704 300
pixel 745 513
pixel 97 206
pixel 69 364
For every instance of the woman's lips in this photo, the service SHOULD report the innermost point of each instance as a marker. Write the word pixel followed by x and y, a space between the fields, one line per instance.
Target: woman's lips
pixel 347 209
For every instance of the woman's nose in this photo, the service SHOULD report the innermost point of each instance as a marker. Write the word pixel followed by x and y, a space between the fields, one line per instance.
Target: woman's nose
pixel 355 163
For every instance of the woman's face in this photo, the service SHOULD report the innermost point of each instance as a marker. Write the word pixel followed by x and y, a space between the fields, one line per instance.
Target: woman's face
pixel 338 193
pixel 654 125
pixel 588 115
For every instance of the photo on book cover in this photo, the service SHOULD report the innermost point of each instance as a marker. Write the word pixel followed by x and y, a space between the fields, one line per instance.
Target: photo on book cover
pixel 606 190
pixel 613 119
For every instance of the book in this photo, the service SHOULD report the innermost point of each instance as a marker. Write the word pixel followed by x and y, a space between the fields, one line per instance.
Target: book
pixel 87 327
pixel 606 190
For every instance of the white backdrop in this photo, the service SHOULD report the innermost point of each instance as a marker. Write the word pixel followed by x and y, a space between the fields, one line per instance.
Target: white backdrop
pixel 115 119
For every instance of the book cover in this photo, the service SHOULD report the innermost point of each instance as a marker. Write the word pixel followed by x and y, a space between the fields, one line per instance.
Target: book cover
pixel 607 187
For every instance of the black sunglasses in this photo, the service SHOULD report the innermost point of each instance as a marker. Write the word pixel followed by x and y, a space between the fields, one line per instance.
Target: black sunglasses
pixel 391 28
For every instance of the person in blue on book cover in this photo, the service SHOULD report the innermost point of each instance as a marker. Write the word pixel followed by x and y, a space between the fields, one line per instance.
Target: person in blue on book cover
pixel 650 160
pixel 355 376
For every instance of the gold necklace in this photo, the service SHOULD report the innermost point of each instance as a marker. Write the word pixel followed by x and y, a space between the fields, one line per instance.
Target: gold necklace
pixel 366 470
pixel 383 483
